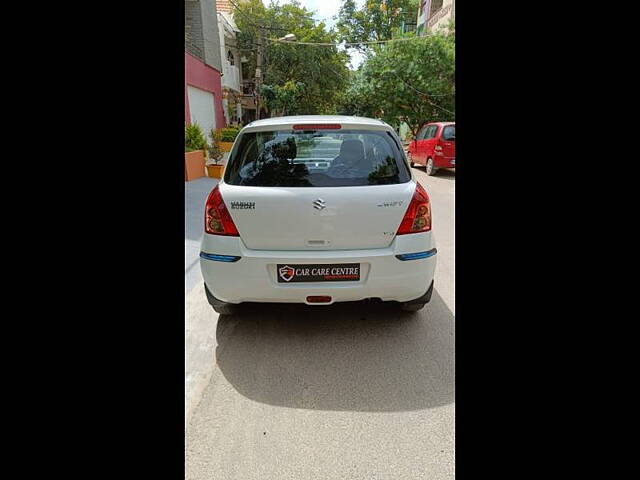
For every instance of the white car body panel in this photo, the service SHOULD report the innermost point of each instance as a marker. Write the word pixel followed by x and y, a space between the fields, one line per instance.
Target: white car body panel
pixel 285 219
pixel 253 277
pixel 357 225
pixel 286 122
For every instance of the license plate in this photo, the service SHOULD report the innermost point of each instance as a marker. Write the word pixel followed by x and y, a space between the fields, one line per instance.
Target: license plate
pixel 332 272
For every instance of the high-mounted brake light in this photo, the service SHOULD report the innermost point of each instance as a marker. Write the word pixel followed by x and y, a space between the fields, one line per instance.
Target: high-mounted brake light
pixel 417 219
pixel 318 126
pixel 217 219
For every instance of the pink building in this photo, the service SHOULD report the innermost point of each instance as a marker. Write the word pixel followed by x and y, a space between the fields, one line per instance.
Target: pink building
pixel 202 66
pixel 202 94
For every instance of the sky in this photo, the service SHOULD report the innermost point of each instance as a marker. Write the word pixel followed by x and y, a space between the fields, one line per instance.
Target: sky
pixel 325 10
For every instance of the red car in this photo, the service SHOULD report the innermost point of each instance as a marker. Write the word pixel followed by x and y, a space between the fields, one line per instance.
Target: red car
pixel 434 147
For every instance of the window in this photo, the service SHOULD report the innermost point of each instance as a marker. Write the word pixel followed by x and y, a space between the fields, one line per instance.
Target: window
pixel 422 133
pixel 230 58
pixel 449 133
pixel 316 158
pixel 431 132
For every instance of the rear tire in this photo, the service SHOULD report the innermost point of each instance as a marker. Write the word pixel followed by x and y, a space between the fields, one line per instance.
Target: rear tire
pixel 429 168
pixel 411 162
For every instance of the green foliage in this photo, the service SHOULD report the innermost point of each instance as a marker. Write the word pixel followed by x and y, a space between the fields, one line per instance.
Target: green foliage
pixel 215 151
pixel 228 134
pixel 409 81
pixel 376 20
pixel 322 70
pixel 283 99
pixel 359 98
pixel 194 139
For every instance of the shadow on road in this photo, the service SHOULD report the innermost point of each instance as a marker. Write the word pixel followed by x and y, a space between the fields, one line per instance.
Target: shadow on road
pixel 446 173
pixel 345 357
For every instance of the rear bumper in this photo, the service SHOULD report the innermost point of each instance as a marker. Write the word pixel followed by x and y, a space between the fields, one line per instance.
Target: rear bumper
pixel 253 277
pixel 444 162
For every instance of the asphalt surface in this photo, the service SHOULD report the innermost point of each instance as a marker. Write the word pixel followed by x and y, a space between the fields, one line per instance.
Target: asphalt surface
pixel 196 193
pixel 338 392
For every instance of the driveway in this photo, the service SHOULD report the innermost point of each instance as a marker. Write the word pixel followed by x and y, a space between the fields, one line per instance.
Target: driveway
pixel 195 196
pixel 334 392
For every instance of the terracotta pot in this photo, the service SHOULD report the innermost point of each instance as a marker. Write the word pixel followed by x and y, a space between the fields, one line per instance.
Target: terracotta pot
pixel 226 146
pixel 215 171
pixel 193 165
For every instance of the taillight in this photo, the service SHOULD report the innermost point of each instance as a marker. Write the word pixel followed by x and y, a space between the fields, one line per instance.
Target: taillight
pixel 217 219
pixel 418 216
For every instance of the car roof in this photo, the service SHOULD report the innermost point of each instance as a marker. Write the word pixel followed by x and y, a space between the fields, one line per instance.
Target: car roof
pixel 440 123
pixel 349 121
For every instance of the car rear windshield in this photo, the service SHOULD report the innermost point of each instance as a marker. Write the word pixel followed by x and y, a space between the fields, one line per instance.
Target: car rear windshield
pixel 316 158
pixel 449 133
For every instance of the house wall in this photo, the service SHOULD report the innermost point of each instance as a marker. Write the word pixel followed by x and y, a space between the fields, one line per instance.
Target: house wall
pixel 231 74
pixel 194 42
pixel 436 19
pixel 229 42
pixel 202 56
pixel 441 17
pixel 225 6
pixel 204 77
pixel 201 28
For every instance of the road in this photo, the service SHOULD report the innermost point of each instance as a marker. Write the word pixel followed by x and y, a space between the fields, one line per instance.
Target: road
pixel 195 197
pixel 338 392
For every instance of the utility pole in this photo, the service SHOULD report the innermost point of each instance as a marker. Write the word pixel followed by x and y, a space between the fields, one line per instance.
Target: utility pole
pixel 259 74
pixel 289 37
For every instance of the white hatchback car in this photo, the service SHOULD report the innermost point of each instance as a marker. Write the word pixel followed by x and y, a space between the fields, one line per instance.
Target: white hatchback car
pixel 317 210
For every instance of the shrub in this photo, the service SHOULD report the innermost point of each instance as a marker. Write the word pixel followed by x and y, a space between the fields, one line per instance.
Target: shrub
pixel 215 152
pixel 194 139
pixel 229 134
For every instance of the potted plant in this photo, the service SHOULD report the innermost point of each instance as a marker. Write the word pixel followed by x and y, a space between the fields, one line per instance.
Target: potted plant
pixel 227 137
pixel 195 148
pixel 214 167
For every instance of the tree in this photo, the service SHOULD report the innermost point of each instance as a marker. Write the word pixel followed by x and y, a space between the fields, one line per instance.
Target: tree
pixel 282 100
pixel 407 81
pixel 322 70
pixel 359 98
pixel 377 20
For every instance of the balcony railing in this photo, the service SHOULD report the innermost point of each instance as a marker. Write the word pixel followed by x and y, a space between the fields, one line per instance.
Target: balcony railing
pixel 248 87
pixel 409 27
pixel 231 77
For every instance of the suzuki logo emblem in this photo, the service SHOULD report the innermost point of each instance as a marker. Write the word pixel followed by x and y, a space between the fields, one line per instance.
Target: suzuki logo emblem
pixel 319 204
